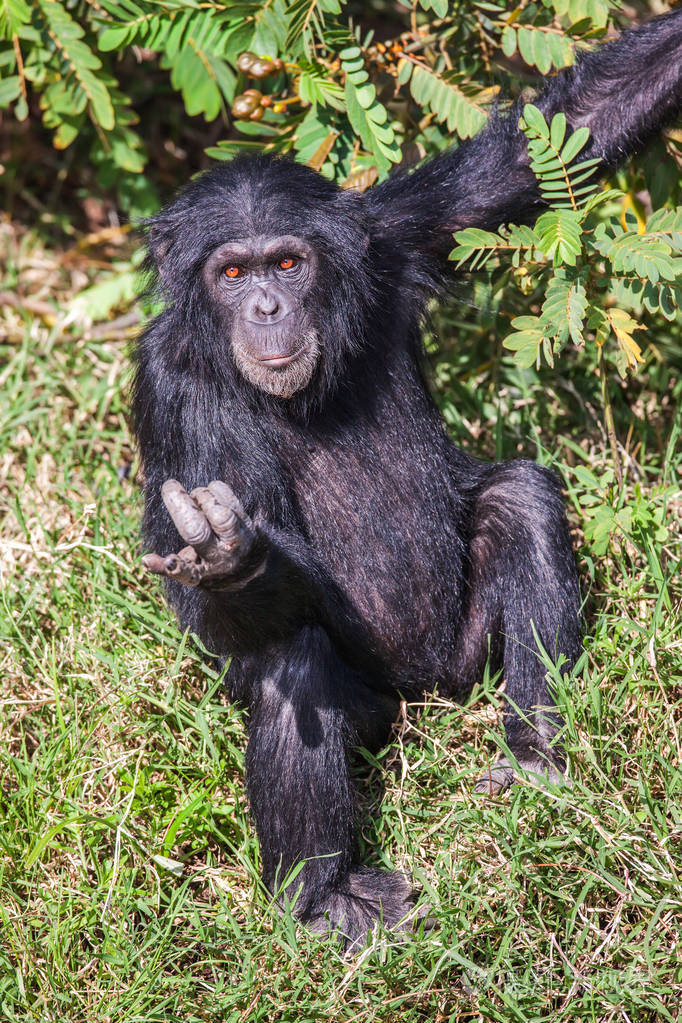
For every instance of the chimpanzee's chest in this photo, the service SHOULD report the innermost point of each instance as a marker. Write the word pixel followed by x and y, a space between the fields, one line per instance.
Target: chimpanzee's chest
pixel 384 525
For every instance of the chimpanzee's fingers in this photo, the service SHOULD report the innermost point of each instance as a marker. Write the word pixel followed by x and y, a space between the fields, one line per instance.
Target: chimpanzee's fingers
pixel 224 513
pixel 226 495
pixel 182 567
pixel 154 563
pixel 190 521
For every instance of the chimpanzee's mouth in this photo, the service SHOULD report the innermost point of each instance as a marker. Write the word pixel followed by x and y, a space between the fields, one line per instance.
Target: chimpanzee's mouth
pixel 275 361
pixel 282 372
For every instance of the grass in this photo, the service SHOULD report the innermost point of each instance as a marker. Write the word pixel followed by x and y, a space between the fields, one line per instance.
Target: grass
pixel 129 886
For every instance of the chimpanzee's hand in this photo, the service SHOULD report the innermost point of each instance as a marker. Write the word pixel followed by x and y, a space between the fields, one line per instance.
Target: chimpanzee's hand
pixel 225 549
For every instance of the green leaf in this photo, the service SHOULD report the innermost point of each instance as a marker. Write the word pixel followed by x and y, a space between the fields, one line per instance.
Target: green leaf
pixel 540 49
pixel 557 132
pixel 475 244
pixel 350 53
pixel 535 119
pixel 10 89
pixel 405 69
pixel 270 35
pixel 299 14
pixel 368 117
pixel 525 40
pixel 575 143
pixel 551 160
pixel 378 141
pixel 648 255
pixel 439 7
pixel 560 235
pixel 508 41
pixel 565 308
pixel 314 86
pixel 526 341
pixel 366 95
pixel 14 14
pixel 560 49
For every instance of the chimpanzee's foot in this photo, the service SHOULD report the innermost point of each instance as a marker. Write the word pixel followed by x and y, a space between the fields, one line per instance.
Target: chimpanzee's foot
pixel 501 775
pixel 357 903
pixel 225 549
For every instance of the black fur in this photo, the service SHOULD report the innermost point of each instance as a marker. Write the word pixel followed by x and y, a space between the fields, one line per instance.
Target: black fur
pixel 396 563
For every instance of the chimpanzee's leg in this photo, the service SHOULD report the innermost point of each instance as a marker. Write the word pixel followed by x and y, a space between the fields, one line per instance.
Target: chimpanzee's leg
pixel 522 576
pixel 305 709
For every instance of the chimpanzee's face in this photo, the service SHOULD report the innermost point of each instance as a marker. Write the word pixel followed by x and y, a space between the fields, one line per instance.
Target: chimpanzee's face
pixel 260 285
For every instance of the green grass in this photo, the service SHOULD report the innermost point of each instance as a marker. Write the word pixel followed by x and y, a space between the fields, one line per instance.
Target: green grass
pixel 129 886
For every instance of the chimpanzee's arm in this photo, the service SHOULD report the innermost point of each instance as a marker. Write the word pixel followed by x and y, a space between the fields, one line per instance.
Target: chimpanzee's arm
pixel 625 92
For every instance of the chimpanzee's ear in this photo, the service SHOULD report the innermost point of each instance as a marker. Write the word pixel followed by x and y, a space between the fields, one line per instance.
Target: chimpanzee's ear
pixel 159 246
pixel 355 202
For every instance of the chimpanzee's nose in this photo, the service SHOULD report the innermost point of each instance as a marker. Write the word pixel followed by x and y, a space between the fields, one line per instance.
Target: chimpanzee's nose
pixel 265 306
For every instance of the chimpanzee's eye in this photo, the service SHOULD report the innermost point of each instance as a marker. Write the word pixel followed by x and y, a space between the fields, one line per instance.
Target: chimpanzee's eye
pixel 232 271
pixel 287 263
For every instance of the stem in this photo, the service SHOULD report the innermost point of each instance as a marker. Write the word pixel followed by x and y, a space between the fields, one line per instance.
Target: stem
pixel 20 66
pixel 608 418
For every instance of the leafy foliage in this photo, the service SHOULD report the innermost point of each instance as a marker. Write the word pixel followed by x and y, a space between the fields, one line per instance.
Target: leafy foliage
pixel 563 183
pixel 541 49
pixel 326 90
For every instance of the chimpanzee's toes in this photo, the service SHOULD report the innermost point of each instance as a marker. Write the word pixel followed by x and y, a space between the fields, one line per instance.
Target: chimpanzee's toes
pixel 365 897
pixel 497 778
pixel 532 767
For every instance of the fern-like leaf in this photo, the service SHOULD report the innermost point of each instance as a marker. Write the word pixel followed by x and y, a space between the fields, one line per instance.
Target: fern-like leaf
pixel 649 255
pixel 78 85
pixel 446 101
pixel 563 183
pixel 368 117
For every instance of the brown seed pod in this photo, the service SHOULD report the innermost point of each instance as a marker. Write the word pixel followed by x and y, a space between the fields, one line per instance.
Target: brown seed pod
pixel 253 94
pixel 244 105
pixel 257 114
pixel 261 68
pixel 245 61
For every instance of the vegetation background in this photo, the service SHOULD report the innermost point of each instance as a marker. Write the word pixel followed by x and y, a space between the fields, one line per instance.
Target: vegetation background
pixel 129 882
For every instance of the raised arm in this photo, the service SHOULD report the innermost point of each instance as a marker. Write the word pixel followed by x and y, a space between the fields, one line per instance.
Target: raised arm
pixel 625 92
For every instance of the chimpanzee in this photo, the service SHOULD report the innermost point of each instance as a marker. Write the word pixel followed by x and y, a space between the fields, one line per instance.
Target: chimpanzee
pixel 335 543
